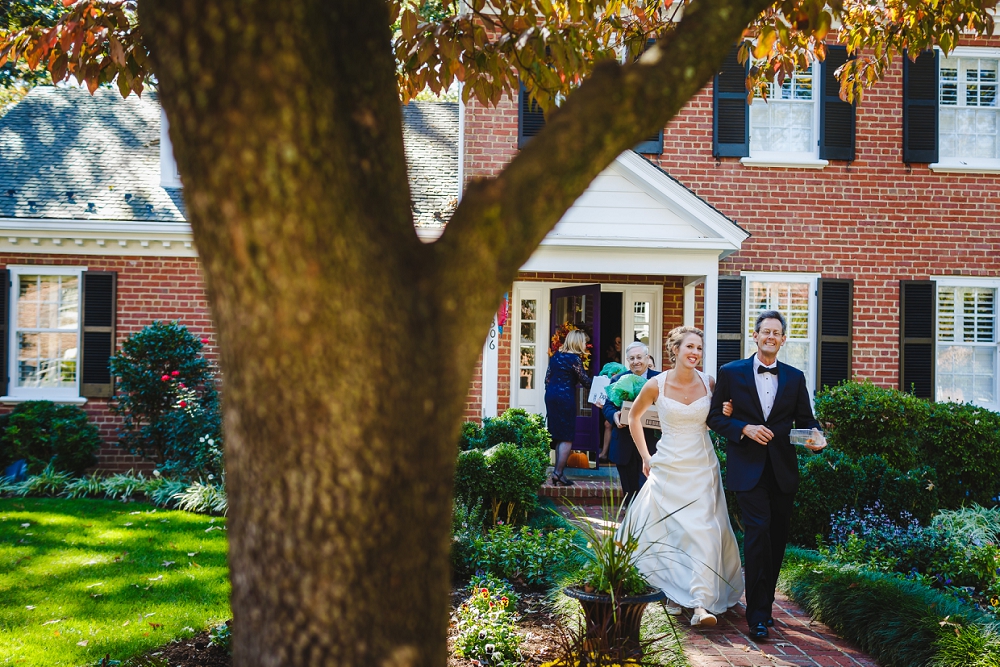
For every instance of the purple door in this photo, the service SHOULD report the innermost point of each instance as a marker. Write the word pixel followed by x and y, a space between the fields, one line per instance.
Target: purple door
pixel 581 307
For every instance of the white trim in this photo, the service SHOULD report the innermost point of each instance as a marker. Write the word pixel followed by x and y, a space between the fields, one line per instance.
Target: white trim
pixel 966 281
pixel 491 371
pixel 461 145
pixel 811 279
pixel 63 236
pixel 540 291
pixel 970 166
pixel 17 394
pixel 169 176
pixel 784 160
pixel 971 52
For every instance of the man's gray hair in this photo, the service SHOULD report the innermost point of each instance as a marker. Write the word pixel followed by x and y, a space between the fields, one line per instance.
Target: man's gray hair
pixel 637 343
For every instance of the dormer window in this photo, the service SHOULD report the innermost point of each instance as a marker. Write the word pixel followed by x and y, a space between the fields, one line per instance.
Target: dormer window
pixel 169 176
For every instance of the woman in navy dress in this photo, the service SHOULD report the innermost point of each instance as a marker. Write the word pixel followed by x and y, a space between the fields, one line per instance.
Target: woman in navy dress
pixel 564 374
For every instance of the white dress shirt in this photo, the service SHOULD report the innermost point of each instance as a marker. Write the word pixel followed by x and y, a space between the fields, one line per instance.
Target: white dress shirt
pixel 767 386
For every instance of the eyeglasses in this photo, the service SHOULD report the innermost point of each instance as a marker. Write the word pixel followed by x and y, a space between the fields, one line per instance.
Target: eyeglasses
pixel 770 332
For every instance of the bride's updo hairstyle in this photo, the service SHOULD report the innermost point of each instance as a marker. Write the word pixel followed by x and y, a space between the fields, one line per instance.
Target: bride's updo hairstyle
pixel 676 337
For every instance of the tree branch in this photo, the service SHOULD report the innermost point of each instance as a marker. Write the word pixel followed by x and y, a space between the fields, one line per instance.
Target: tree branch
pixel 500 222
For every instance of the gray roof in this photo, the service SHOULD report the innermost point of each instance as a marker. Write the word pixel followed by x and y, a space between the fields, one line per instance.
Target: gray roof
pixel 430 137
pixel 105 150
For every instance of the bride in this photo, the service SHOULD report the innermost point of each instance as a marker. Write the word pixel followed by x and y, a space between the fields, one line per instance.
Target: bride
pixel 686 544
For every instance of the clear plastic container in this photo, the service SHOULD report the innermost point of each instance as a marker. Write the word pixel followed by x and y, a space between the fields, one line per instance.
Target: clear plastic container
pixel 801 436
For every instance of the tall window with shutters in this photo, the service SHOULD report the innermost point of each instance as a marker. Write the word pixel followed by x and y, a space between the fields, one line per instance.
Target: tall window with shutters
pixel 794 296
pixel 59 324
pixel 967 344
pixel 784 124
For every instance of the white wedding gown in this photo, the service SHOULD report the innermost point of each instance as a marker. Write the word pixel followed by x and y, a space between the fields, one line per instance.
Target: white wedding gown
pixel 686 544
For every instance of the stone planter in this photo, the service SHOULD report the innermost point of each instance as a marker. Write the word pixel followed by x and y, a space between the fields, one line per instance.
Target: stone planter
pixel 614 626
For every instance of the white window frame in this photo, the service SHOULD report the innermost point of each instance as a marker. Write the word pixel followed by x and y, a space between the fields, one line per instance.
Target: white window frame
pixel 806 159
pixel 988 283
pixel 533 400
pixel 17 394
pixel 964 165
pixel 810 279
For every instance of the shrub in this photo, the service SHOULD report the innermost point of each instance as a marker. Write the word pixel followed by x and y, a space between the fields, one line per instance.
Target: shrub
pixel 44 433
pixel 831 482
pixel 503 464
pixel 533 557
pixel 961 442
pixel 168 400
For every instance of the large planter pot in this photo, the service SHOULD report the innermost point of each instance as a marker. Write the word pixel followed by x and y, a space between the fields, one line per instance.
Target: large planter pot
pixel 614 626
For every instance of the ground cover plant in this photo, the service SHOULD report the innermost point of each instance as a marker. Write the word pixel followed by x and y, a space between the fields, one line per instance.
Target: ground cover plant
pixel 900 623
pixel 81 579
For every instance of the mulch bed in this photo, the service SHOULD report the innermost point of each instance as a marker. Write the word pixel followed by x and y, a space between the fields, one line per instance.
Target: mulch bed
pixel 537 625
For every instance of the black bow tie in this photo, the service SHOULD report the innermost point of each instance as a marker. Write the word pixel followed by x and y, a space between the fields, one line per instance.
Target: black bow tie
pixel 766 369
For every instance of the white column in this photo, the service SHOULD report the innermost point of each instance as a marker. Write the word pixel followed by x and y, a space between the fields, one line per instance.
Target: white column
pixel 711 319
pixel 491 370
pixel 689 304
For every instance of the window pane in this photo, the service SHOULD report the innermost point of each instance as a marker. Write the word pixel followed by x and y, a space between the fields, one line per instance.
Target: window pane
pixel 783 121
pixel 966 314
pixel 527 357
pixel 527 378
pixel 528 309
pixel 46 359
pixel 792 301
pixel 969 115
pixel 527 332
pixel 641 320
pixel 966 374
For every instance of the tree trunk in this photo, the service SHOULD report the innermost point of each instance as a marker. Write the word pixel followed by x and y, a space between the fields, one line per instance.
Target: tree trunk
pixel 343 384
pixel 347 345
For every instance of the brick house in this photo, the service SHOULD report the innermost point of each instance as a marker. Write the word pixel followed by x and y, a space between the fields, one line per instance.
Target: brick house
pixel 95 245
pixel 875 229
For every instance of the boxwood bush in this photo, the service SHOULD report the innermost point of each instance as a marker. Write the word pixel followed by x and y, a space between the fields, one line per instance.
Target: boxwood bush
pixel 44 433
pixel 502 464
pixel 961 442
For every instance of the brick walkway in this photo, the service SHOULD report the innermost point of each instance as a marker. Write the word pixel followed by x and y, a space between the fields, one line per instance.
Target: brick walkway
pixel 795 640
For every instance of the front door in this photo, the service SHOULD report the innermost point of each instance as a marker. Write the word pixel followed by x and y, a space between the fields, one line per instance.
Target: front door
pixel 580 308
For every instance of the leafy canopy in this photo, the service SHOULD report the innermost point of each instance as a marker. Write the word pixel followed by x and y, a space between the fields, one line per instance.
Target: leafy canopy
pixel 550 45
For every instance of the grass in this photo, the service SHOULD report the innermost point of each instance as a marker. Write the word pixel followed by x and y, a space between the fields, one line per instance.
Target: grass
pixel 83 578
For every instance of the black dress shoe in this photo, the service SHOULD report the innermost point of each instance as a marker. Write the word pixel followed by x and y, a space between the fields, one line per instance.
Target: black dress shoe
pixel 758 631
pixel 769 622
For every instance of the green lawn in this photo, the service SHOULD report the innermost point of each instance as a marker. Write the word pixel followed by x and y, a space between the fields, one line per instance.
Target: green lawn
pixel 83 578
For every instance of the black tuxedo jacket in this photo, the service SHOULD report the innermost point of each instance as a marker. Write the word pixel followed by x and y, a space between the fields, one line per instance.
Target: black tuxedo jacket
pixel 622 447
pixel 744 457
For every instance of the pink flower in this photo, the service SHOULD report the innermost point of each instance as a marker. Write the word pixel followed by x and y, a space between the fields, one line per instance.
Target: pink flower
pixel 204 341
pixel 165 378
pixel 181 385
pixel 183 404
pixel 175 373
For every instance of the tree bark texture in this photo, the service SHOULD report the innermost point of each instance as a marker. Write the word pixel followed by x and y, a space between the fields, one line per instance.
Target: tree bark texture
pixel 348 345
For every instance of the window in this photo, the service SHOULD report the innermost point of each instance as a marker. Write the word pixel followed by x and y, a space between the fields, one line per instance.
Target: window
pixel 792 295
pixel 170 177
pixel 785 123
pixel 45 333
pixel 640 321
pixel 528 340
pixel 966 344
pixel 968 109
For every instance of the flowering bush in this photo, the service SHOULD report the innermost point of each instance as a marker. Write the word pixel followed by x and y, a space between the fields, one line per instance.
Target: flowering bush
pixel 44 433
pixel 487 629
pixel 168 400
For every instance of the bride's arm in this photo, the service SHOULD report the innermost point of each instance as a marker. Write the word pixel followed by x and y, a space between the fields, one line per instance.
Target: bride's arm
pixel 650 392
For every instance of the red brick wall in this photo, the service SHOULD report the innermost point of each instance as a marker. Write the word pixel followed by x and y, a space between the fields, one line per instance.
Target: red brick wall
pixel 149 289
pixel 875 220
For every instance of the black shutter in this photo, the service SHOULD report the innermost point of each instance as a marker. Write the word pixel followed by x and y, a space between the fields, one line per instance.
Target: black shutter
pixel 730 317
pixel 651 146
pixel 920 108
pixel 836 323
pixel 98 332
pixel 730 111
pixel 836 117
pixel 530 119
pixel 917 318
pixel 4 330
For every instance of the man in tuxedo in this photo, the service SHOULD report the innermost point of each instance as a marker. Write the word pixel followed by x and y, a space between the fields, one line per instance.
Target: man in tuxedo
pixel 768 397
pixel 622 451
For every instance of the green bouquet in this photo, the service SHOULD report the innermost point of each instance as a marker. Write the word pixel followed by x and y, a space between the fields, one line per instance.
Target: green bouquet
pixel 612 368
pixel 626 389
